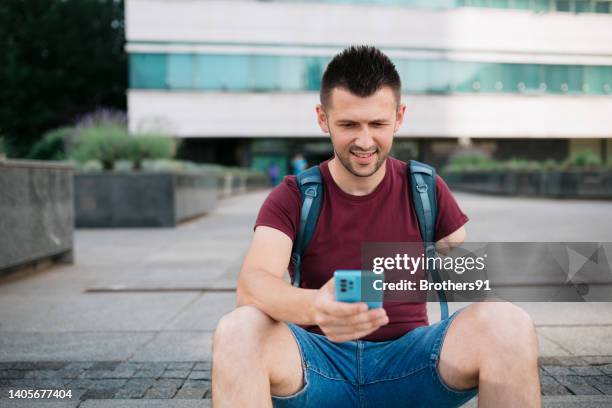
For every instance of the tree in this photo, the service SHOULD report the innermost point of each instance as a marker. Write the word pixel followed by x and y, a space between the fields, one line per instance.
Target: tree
pixel 59 59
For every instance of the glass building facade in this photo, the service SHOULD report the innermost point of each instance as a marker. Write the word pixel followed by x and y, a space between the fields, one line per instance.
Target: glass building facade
pixel 265 73
pixel 569 6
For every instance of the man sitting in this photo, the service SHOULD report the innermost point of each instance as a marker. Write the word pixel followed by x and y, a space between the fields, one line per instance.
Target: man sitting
pixel 285 346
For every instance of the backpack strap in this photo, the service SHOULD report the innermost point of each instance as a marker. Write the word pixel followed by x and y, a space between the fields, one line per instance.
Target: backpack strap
pixel 311 190
pixel 423 185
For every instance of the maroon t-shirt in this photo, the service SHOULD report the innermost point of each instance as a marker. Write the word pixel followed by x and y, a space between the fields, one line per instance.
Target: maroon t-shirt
pixel 345 221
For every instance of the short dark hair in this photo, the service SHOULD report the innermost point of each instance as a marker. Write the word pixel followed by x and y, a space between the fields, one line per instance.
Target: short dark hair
pixel 362 70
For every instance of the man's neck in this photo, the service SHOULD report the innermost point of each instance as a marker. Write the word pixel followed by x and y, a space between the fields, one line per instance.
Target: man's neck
pixel 354 185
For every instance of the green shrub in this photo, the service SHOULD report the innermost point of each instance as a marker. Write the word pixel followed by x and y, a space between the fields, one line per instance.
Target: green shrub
pixel 90 165
pixel 143 147
pixel 52 146
pixel 470 162
pixel 550 165
pixel 518 164
pixel 157 165
pixel 179 165
pixel 109 143
pixel 583 158
pixel 123 165
pixel 106 143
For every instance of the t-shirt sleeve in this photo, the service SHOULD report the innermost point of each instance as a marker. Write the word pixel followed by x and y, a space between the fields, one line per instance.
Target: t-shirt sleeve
pixel 281 209
pixel 450 217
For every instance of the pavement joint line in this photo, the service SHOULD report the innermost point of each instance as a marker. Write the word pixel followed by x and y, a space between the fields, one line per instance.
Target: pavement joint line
pixel 555 342
pixel 179 312
pixel 107 331
pixel 131 290
pixel 144 345
pixel 575 325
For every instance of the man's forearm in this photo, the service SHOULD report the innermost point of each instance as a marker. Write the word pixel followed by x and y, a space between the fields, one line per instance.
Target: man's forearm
pixel 276 298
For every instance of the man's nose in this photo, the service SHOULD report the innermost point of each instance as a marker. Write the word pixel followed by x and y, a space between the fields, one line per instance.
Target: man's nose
pixel 364 140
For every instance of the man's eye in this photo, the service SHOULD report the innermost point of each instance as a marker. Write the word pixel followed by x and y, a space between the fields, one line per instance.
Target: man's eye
pixel 347 125
pixel 378 124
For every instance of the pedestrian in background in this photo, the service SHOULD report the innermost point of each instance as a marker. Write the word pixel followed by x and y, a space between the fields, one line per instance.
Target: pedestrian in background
pixel 298 163
pixel 273 173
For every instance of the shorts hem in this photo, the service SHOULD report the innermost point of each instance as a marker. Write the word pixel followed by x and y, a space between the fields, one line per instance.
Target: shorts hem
pixel 436 353
pixel 305 376
pixel 400 377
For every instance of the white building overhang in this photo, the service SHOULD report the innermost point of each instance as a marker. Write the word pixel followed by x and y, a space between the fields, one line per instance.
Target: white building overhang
pixel 214 114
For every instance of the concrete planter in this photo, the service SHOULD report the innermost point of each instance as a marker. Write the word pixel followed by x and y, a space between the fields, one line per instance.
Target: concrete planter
pixel 562 184
pixel 142 199
pixel 256 181
pixel 232 183
pixel 36 212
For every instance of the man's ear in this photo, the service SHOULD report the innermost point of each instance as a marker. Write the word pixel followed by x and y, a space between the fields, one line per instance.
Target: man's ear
pixel 399 119
pixel 322 118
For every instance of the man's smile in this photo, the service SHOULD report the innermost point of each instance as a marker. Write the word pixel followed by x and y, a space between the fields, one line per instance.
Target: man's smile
pixel 363 157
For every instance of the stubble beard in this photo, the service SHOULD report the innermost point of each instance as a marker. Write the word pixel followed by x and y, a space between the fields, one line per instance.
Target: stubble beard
pixel 346 161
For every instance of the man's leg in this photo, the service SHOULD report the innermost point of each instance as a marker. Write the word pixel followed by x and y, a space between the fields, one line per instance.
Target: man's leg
pixel 493 345
pixel 254 357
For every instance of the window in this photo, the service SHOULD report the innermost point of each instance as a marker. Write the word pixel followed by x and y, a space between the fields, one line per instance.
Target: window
pixel 584 6
pixel 529 77
pixel 489 76
pixel 603 7
pixel 478 3
pixel 499 3
pixel 510 78
pixel 594 80
pixel 181 70
pixel 556 79
pixel 148 71
pixel 263 73
pixel 415 76
pixel 574 78
pixel 271 73
pixel 223 72
pixel 439 75
pixel 465 76
pixel 563 5
pixel 542 5
pixel 522 4
pixel 290 74
pixel 314 71
pixel 577 6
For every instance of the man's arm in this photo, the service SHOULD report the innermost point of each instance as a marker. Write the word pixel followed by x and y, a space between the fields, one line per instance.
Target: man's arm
pixel 446 244
pixel 261 284
pixel 261 279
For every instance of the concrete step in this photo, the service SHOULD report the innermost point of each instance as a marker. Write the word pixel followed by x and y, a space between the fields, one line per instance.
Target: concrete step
pixel 109 403
pixel 566 401
pixel 574 401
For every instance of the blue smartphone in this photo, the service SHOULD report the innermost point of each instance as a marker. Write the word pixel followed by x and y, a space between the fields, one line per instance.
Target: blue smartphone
pixel 358 286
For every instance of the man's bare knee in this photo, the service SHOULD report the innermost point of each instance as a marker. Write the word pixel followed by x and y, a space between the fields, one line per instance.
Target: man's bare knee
pixel 242 330
pixel 238 358
pixel 507 329
pixel 248 334
pixel 485 333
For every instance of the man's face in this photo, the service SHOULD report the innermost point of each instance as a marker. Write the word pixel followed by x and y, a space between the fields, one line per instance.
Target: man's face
pixel 361 128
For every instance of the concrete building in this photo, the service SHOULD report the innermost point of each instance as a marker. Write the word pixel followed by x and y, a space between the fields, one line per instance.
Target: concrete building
pixel 238 80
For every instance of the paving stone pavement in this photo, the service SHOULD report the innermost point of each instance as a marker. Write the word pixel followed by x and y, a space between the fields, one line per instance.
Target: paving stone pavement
pixel 109 379
pixel 101 380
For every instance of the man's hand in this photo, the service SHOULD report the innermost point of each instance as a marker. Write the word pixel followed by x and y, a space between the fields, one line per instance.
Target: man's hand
pixel 342 321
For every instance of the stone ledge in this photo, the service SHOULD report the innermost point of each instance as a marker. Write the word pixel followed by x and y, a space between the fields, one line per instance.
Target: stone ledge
pixel 39 164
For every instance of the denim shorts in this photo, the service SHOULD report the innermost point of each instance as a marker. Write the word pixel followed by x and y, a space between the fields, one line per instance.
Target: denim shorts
pixel 395 373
